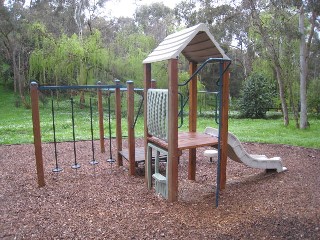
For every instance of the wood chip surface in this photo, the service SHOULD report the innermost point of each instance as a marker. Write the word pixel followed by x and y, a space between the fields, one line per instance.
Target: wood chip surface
pixel 103 202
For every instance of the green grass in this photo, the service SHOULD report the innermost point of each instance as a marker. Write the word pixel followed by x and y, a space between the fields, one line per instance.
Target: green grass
pixel 16 125
pixel 273 131
pixel 269 131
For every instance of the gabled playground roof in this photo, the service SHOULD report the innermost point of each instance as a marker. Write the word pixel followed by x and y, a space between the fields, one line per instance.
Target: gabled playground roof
pixel 196 43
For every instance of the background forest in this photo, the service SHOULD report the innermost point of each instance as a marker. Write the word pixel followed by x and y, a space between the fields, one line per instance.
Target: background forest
pixel 274 47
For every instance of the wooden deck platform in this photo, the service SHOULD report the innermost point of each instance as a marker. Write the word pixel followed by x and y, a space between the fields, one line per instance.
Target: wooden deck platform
pixel 188 140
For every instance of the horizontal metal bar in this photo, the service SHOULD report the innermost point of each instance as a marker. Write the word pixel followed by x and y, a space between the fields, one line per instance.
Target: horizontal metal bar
pixel 124 89
pixel 106 87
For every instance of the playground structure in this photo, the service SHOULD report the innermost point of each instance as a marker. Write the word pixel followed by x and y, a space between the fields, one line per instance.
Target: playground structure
pixel 199 47
pixel 161 137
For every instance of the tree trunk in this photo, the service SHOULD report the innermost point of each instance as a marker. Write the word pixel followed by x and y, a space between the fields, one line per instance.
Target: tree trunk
pixel 293 106
pixel 77 16
pixel 82 100
pixel 18 78
pixel 273 53
pixel 15 75
pixel 282 96
pixel 303 72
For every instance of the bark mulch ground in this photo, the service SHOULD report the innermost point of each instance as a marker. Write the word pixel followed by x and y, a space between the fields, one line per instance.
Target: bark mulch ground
pixel 100 202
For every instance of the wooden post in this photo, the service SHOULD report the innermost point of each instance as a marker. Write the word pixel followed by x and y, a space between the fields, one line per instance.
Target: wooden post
pixel 118 124
pixel 224 127
pixel 130 118
pixel 172 174
pixel 37 133
pixel 192 120
pixel 147 85
pixel 101 125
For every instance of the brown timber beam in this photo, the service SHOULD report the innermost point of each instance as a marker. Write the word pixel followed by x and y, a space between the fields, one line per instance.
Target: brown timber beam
pixel 173 155
pixel 130 118
pixel 192 119
pixel 147 85
pixel 37 133
pixel 101 125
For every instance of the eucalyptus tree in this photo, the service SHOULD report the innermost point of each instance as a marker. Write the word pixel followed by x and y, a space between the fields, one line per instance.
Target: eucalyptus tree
pixel 293 21
pixel 268 26
pixel 307 10
pixel 313 87
pixel 57 16
pixel 156 20
pixel 186 13
pixel 229 27
pixel 106 28
pixel 85 11
pixel 14 44
pixel 276 46
pixel 66 16
pixel 6 29
pixel 125 25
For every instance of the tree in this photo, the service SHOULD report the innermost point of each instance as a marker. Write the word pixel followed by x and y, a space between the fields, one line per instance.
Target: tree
pixel 186 13
pixel 56 15
pixel 68 60
pixel 313 8
pixel 256 96
pixel 266 28
pixel 227 23
pixel 313 95
pixel 14 44
pixel 155 20
pixel 129 52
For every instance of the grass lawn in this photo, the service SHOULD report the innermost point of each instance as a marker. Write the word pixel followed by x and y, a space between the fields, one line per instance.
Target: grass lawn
pixel 16 125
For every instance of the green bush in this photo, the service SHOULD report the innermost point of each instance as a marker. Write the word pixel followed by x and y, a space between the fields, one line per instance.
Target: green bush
pixel 256 97
pixel 313 96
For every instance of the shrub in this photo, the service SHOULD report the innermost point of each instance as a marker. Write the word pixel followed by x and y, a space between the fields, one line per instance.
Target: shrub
pixel 313 96
pixel 255 96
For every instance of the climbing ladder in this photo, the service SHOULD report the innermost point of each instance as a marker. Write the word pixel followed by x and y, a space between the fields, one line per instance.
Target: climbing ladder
pixel 157 123
pixel 161 181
